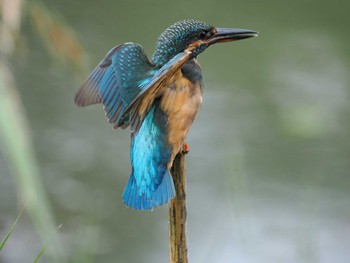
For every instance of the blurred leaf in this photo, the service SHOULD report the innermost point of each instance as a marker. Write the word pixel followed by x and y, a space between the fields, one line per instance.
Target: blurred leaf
pixel 59 38
pixel 17 147
pixel 10 11
pixel 62 44
pixel 44 248
pixel 11 229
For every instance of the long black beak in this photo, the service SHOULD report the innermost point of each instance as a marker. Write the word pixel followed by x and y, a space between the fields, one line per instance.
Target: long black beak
pixel 231 34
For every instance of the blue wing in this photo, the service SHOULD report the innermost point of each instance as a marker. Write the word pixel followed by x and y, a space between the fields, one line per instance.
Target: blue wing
pixel 123 79
pixel 116 81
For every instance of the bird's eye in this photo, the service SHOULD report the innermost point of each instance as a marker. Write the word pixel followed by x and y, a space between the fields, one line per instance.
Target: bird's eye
pixel 202 35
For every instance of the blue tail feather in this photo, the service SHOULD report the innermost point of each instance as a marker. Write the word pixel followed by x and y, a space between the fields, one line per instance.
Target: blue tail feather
pixel 133 198
pixel 150 184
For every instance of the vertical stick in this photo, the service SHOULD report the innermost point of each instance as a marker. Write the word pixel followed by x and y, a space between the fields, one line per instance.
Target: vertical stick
pixel 178 213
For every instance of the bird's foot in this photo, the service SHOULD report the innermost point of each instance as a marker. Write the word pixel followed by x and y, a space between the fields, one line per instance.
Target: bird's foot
pixel 185 148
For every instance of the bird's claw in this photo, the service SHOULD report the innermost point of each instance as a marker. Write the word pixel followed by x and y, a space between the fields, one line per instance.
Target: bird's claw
pixel 185 148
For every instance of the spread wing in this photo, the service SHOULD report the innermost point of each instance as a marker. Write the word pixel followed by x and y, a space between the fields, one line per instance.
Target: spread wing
pixel 116 82
pixel 127 84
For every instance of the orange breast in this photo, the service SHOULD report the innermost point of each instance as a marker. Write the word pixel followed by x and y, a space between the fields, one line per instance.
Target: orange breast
pixel 180 101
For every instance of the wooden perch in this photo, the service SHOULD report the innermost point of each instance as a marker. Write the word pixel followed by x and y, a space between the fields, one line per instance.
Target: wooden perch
pixel 178 213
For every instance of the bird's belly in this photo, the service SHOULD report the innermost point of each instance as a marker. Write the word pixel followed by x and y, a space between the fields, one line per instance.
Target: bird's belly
pixel 180 102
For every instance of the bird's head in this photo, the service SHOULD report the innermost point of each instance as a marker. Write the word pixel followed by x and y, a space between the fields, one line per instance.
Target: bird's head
pixel 195 36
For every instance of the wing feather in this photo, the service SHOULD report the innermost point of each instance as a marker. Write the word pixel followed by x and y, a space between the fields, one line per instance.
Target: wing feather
pixel 116 81
pixel 127 84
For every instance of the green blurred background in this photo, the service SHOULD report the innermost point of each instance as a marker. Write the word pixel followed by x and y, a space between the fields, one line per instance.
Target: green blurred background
pixel 268 170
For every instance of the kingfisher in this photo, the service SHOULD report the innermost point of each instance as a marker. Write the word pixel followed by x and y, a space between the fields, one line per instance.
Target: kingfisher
pixel 158 99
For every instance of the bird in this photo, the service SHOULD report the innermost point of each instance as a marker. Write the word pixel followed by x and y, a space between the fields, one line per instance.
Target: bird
pixel 158 99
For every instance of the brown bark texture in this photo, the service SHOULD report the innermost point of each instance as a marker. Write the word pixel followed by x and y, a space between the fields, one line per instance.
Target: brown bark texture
pixel 178 213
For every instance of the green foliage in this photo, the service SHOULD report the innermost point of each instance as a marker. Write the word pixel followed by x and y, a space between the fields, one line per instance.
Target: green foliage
pixel 2 244
pixel 15 135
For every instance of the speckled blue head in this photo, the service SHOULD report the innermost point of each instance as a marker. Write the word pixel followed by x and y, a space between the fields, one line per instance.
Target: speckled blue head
pixel 177 38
